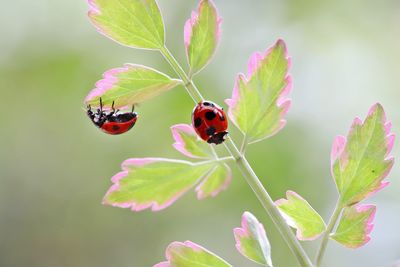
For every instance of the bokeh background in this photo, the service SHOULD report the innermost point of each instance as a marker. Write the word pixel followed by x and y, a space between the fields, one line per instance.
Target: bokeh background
pixel 55 166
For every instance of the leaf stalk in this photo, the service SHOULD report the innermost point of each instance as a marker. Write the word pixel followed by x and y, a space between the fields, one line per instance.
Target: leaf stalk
pixel 247 171
pixel 325 238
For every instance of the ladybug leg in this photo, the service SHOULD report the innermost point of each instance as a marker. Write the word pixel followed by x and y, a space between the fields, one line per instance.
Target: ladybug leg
pixel 101 105
pixel 114 111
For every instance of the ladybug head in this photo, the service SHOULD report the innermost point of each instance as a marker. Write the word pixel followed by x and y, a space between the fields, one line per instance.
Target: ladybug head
pixel 97 118
pixel 217 138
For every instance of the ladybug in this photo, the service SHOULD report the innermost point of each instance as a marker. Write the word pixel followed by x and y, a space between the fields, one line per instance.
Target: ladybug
pixel 210 122
pixel 112 122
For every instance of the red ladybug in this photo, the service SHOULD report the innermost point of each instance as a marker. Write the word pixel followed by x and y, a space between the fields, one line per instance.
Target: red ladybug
pixel 112 122
pixel 210 122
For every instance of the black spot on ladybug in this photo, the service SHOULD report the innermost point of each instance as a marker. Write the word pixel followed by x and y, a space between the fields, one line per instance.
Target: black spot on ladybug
pixel 206 103
pixel 197 122
pixel 210 131
pixel 222 118
pixel 115 127
pixel 210 115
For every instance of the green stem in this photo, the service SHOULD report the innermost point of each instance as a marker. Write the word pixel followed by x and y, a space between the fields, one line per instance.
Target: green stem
pixel 325 237
pixel 244 145
pixel 268 203
pixel 188 83
pixel 247 172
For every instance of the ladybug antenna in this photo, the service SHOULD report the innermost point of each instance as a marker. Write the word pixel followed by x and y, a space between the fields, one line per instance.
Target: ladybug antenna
pixel 101 105
pixel 112 107
pixel 133 107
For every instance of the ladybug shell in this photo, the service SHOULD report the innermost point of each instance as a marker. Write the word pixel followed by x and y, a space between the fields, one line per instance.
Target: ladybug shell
pixel 119 124
pixel 210 122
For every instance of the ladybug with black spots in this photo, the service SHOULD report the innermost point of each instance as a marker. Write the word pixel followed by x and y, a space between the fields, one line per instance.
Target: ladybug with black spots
pixel 112 122
pixel 210 122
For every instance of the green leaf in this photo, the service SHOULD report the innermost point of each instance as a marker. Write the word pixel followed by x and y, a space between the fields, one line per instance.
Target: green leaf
pixel 129 85
pixel 252 241
pixel 361 162
pixel 300 215
pixel 189 144
pixel 259 104
pixel 218 179
pixel 355 225
pixel 153 182
pixel 189 254
pixel 202 34
pixel 134 23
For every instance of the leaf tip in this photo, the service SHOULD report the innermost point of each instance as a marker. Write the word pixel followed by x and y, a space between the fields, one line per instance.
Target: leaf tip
pixel 179 144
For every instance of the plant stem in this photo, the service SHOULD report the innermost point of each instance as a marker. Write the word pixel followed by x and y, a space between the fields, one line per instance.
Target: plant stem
pixel 268 203
pixel 190 87
pixel 244 145
pixel 329 228
pixel 247 172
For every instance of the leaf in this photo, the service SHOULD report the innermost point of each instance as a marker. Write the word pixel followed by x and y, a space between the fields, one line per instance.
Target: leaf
pixel 259 104
pixel 361 162
pixel 129 85
pixel 300 215
pixel 153 182
pixel 252 241
pixel 355 225
pixel 187 254
pixel 216 181
pixel 189 144
pixel 202 34
pixel 133 23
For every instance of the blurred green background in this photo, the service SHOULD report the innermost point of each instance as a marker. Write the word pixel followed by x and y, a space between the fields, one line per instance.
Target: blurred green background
pixel 55 166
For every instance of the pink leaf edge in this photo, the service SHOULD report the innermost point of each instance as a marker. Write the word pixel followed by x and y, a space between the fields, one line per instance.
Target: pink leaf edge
pixel 109 80
pixel 368 226
pixel 190 23
pixel 289 221
pixel 133 205
pixel 201 195
pixel 179 143
pixel 94 11
pixel 339 145
pixel 177 245
pixel 105 84
pixel 244 231
pixel 254 64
